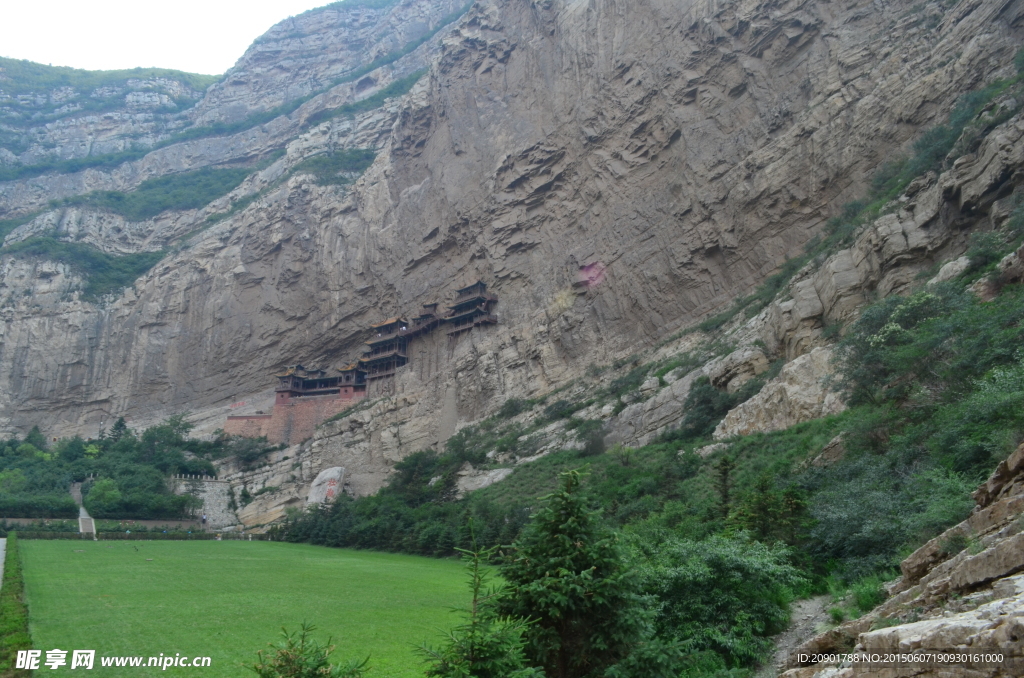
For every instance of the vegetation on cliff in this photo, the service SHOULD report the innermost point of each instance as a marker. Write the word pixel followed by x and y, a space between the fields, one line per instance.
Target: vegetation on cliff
pixel 184 191
pixel 104 273
pixel 23 77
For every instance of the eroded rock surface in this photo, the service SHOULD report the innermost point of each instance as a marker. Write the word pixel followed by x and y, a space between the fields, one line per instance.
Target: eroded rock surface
pixel 803 391
pixel 686 150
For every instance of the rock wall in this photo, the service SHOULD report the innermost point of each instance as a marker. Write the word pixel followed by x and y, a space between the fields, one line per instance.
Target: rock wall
pixel 683 151
pixel 216 498
pixel 291 422
pixel 888 261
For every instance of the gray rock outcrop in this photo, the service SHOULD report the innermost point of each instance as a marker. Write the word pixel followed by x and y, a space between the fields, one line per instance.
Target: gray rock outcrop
pixel 800 393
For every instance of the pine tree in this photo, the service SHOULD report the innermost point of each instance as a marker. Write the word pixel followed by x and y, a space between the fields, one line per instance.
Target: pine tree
pixel 299 656
pixel 567 574
pixel 723 484
pixel 487 645
pixel 118 430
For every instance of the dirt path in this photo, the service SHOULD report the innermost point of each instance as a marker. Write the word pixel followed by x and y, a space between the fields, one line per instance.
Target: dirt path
pixel 807 615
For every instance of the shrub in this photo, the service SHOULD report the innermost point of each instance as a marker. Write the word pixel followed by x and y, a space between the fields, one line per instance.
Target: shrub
pixel 513 407
pixel 591 433
pixel 38 505
pixel 868 593
pixel 299 656
pixel 953 544
pixel 986 249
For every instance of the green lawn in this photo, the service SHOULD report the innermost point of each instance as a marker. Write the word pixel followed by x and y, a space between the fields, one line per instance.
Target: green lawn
pixel 228 599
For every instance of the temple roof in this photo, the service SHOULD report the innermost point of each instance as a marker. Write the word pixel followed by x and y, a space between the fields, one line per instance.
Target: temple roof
pixel 389 321
pixel 469 287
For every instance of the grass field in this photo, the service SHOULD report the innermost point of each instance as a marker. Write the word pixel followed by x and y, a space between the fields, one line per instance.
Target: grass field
pixel 228 599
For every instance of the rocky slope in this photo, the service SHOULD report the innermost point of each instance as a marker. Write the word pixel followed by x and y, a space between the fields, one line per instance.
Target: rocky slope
pixel 962 592
pixel 685 154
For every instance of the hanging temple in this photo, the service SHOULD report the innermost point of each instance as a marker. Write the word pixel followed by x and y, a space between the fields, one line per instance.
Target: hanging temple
pixel 305 397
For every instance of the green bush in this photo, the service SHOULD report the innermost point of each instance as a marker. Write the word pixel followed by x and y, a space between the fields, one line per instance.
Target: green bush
pixel 300 656
pixel 24 505
pixel 868 593
pixel 722 595
pixel 14 631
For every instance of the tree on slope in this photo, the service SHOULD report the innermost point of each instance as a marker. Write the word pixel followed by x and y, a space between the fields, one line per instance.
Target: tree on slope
pixel 487 645
pixel 567 574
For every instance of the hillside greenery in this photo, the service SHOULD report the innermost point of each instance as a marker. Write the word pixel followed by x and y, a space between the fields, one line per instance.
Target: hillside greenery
pixel 95 92
pixel 338 166
pixel 104 273
pixel 124 472
pixel 36 73
pixel 21 76
pixel 182 191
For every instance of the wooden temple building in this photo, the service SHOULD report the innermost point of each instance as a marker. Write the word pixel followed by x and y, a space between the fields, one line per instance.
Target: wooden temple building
pixel 305 397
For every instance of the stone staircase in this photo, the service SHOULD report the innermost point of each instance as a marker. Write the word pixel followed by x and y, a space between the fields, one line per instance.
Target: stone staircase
pixel 86 525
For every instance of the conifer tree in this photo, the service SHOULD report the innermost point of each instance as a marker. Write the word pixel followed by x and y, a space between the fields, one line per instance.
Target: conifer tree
pixel 567 574
pixel 487 645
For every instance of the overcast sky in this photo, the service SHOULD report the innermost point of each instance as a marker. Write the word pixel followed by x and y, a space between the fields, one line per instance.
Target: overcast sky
pixel 199 36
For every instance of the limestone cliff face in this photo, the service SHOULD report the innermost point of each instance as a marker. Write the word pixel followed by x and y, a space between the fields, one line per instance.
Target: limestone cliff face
pixel 77 121
pixel 309 52
pixel 686 150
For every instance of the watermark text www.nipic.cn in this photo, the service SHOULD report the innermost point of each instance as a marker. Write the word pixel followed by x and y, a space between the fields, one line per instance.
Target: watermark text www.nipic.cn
pixel 86 659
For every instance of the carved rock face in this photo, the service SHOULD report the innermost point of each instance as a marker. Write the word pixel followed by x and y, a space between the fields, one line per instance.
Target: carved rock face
pixel 326 487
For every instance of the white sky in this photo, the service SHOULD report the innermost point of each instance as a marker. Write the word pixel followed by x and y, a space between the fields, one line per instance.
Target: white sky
pixel 199 36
